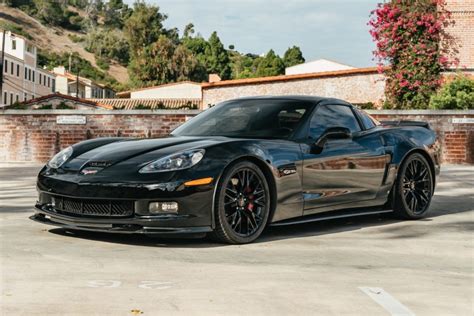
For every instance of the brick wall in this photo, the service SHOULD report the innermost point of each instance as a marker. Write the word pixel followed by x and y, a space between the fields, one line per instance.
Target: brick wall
pixel 34 135
pixel 463 30
pixel 457 139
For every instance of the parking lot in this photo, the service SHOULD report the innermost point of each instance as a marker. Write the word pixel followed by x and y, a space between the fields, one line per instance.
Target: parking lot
pixel 362 266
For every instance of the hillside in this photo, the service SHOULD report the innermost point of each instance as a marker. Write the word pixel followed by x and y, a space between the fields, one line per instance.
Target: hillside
pixel 129 46
pixel 54 39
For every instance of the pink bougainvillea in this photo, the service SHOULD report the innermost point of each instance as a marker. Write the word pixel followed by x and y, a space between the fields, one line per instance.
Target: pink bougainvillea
pixel 411 39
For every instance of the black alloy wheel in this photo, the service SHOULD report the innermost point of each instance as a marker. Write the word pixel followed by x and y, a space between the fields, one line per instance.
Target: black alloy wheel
pixel 243 204
pixel 414 188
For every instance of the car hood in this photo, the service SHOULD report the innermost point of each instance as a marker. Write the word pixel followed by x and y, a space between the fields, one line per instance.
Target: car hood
pixel 137 151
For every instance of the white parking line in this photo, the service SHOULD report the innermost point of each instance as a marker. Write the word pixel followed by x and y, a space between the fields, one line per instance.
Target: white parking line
pixel 387 301
pixel 150 285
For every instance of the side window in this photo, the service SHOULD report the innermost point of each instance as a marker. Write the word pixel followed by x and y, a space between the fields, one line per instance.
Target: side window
pixel 327 116
pixel 290 118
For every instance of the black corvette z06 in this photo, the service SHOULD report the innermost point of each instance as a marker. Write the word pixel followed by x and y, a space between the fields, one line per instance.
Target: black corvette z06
pixel 240 166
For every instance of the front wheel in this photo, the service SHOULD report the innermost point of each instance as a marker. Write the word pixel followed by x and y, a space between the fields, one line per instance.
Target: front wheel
pixel 242 204
pixel 414 188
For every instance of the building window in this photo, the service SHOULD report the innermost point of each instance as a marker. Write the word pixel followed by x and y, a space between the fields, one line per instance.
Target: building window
pixel 54 85
pixel 17 98
pixel 14 44
pixel 26 73
pixel 12 68
pixel 29 49
pixel 49 82
pixel 29 74
pixel 33 76
pixel 25 96
pixel 18 70
pixel 6 66
pixel 11 98
pixel 4 101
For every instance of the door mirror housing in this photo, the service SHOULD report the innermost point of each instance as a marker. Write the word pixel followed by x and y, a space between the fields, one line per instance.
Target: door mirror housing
pixel 330 133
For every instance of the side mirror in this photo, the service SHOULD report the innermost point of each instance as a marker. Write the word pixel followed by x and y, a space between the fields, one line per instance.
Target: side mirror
pixel 330 133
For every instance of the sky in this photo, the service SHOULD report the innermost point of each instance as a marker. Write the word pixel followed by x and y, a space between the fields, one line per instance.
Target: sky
pixel 331 29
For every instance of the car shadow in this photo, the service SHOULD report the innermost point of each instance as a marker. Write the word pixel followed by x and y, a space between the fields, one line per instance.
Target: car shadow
pixel 441 206
pixel 176 241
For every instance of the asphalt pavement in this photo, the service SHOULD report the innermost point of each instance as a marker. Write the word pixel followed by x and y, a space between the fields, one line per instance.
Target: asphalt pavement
pixel 371 265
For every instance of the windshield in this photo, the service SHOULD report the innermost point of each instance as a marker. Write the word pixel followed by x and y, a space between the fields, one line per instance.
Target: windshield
pixel 248 118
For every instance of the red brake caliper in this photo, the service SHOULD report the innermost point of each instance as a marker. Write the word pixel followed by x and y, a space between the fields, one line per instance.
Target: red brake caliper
pixel 250 205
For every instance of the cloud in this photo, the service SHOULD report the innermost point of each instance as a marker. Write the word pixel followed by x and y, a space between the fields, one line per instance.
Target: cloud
pixel 334 29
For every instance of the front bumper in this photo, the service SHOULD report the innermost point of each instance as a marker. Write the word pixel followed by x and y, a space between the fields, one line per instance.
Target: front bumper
pixel 159 224
pixel 132 216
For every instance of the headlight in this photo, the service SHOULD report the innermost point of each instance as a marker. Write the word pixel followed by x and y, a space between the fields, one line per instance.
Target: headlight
pixel 60 158
pixel 179 161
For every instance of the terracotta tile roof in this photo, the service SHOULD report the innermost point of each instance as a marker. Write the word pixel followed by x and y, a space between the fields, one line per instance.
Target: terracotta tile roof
pixel 124 93
pixel 66 97
pixel 283 78
pixel 130 104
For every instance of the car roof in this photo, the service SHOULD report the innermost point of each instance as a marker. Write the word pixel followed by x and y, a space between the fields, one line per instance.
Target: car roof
pixel 306 98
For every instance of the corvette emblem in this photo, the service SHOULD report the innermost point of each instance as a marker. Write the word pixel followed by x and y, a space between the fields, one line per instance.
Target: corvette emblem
pixel 101 164
pixel 89 171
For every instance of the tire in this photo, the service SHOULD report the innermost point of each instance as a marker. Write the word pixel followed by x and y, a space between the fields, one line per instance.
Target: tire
pixel 242 204
pixel 414 188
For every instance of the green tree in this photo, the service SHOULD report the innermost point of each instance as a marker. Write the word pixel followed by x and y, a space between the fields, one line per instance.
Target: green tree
pixel 80 4
pixel 270 65
pixel 163 62
pixel 50 12
pixel 143 27
pixel 153 67
pixel 217 59
pixel 197 46
pixel 116 13
pixel 172 34
pixel 188 30
pixel 16 3
pixel 186 66
pixel 93 8
pixel 243 65
pixel 108 44
pixel 293 56
pixel 457 94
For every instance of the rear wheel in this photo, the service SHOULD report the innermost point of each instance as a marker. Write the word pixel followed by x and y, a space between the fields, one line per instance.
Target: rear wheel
pixel 414 188
pixel 242 205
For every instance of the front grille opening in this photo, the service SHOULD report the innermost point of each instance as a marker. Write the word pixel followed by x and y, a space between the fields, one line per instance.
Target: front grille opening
pixel 93 207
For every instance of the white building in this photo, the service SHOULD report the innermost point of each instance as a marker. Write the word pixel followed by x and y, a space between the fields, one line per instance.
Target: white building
pixel 22 79
pixel 176 90
pixel 66 83
pixel 319 65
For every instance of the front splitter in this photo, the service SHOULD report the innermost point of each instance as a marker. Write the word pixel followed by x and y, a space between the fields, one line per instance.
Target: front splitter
pixel 115 228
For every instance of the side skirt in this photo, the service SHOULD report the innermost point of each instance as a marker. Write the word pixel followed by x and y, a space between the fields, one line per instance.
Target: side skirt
pixel 330 215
